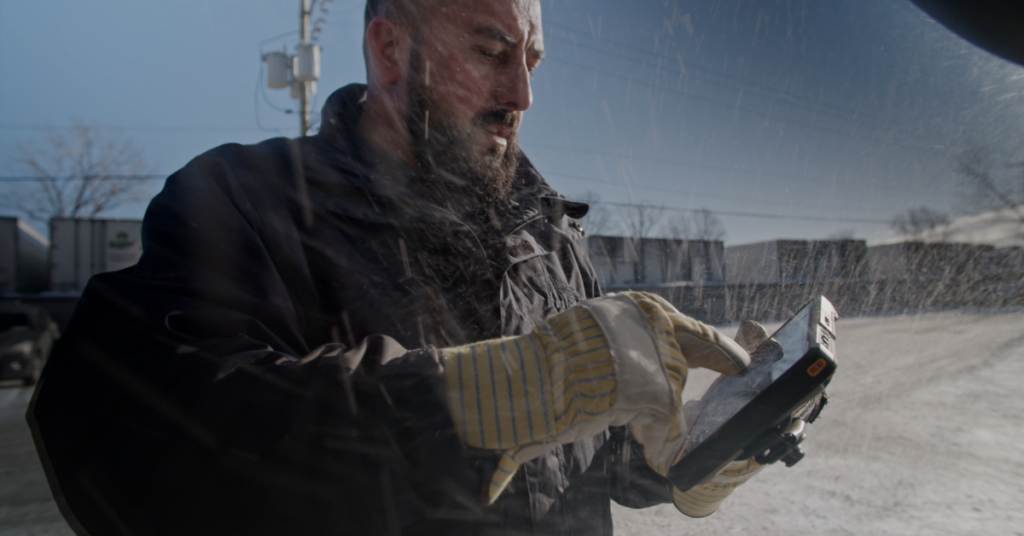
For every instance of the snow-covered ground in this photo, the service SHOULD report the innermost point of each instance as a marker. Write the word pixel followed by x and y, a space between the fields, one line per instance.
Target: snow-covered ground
pixel 924 435
pixel 26 505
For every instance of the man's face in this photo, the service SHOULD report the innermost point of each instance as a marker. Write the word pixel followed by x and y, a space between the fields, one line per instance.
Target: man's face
pixel 469 84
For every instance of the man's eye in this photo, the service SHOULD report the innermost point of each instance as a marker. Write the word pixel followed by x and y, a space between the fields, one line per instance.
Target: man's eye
pixel 490 54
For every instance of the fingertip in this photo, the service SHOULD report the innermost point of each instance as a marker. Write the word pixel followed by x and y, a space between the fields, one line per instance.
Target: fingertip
pixel 750 335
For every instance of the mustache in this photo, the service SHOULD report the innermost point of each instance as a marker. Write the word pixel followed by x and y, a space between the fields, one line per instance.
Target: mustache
pixel 498 116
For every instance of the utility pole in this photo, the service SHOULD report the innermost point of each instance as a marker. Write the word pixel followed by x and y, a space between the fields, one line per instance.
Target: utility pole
pixel 300 71
pixel 304 101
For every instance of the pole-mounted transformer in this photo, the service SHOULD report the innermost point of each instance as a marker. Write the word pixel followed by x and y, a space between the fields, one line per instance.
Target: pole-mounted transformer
pixel 277 69
pixel 299 71
pixel 306 64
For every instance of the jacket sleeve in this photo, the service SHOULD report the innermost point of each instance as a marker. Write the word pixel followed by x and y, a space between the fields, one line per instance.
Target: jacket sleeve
pixel 632 483
pixel 182 398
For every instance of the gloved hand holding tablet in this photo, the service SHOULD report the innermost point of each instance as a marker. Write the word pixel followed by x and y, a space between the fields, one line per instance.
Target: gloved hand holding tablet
pixel 745 422
pixel 623 360
pixel 618 360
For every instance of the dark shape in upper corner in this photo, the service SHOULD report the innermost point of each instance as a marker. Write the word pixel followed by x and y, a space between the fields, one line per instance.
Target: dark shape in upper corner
pixel 994 25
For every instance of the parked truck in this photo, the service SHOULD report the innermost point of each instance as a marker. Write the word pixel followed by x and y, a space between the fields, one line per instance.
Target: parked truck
pixel 622 261
pixel 83 248
pixel 23 257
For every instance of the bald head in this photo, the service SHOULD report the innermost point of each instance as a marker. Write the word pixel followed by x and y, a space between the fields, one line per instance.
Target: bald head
pixel 400 11
pixel 448 82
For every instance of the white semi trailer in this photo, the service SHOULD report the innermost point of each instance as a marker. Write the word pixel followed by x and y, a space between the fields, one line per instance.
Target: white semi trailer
pixel 622 261
pixel 83 248
pixel 23 253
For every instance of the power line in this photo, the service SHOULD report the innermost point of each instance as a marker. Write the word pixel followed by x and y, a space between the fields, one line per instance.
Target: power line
pixel 134 127
pixel 737 108
pixel 275 38
pixel 742 85
pixel 651 188
pixel 713 167
pixel 25 178
pixel 731 169
pixel 753 214
pixel 76 178
pixel 851 116
pixel 695 195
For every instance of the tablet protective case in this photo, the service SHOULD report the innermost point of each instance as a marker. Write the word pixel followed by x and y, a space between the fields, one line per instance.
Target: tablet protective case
pixel 752 415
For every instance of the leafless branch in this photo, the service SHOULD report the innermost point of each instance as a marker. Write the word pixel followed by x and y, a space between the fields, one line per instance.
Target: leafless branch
pixel 78 173
pixel 701 225
pixel 974 165
pixel 640 220
pixel 919 220
pixel 599 219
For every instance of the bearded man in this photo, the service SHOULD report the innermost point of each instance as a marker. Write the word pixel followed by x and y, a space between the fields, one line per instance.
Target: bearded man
pixel 387 328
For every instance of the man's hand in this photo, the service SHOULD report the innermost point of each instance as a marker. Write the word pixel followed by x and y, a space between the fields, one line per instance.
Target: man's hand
pixel 618 360
pixel 704 499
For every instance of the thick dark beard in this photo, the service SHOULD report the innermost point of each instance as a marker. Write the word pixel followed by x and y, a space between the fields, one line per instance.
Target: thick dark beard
pixel 456 177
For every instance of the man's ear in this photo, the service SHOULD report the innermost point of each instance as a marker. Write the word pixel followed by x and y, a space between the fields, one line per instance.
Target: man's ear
pixel 386 51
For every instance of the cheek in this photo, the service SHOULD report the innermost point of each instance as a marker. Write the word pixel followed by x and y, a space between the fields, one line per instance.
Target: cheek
pixel 461 90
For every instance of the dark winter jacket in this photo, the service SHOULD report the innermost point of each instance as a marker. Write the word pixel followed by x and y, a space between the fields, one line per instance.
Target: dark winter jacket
pixel 250 375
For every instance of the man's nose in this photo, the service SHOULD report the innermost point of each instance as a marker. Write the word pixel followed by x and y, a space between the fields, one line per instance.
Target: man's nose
pixel 516 93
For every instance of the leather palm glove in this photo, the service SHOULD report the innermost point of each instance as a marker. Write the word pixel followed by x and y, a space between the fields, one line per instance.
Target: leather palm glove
pixel 611 361
pixel 704 499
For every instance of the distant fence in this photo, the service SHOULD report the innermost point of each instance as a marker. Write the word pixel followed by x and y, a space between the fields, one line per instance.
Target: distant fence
pixel 727 303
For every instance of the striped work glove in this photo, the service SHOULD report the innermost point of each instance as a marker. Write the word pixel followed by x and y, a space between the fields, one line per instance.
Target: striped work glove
pixel 704 499
pixel 611 361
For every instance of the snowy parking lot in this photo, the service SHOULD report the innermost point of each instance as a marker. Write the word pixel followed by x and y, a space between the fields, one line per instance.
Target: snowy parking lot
pixel 923 435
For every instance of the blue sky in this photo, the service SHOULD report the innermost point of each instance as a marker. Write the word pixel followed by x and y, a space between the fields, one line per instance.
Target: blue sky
pixel 789 119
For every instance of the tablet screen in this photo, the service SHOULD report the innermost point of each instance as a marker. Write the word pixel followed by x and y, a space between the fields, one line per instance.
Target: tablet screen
pixel 730 394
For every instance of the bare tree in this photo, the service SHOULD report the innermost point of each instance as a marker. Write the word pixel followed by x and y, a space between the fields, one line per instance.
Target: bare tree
pixel 639 221
pixel 701 225
pixel 599 218
pixel 989 188
pixel 680 228
pixel 78 173
pixel 707 226
pixel 919 220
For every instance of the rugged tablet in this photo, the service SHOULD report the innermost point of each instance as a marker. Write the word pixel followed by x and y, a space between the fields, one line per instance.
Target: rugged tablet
pixel 761 413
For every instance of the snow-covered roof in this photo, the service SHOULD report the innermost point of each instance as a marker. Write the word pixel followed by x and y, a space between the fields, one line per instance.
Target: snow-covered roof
pixel 1000 228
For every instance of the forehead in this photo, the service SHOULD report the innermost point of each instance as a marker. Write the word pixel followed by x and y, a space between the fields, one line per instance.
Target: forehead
pixel 517 19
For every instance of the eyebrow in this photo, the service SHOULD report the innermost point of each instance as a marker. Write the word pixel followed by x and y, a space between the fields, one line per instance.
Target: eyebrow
pixel 510 42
